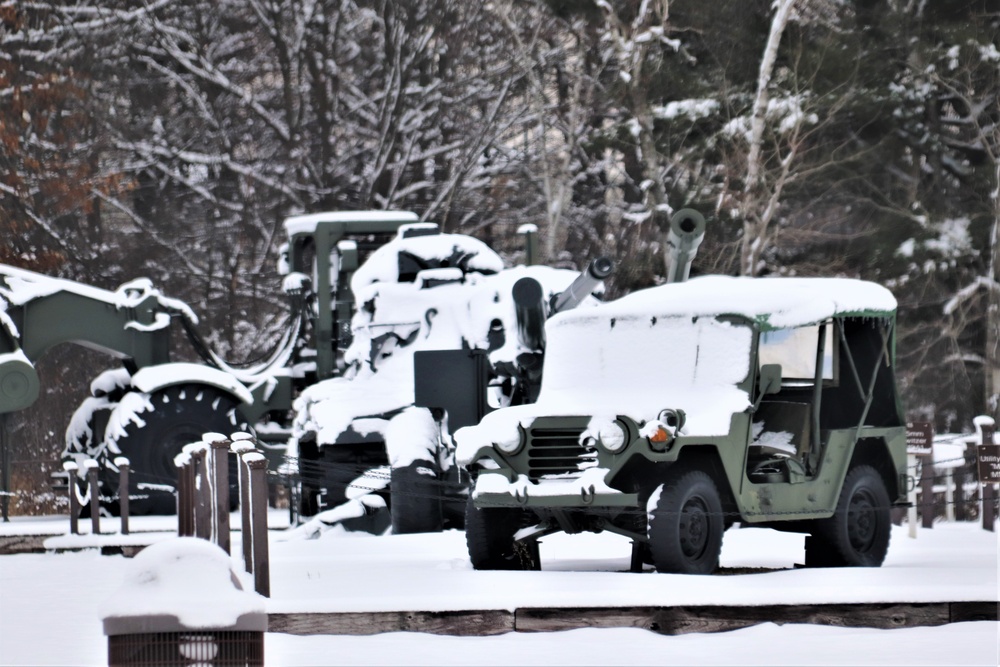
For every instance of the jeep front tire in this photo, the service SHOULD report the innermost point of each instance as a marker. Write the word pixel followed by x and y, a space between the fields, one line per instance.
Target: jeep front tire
pixel 685 524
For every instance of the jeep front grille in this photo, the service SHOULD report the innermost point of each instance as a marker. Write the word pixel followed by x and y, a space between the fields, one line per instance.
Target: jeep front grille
pixel 557 452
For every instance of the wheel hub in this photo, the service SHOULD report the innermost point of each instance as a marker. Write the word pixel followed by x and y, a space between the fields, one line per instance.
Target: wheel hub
pixel 693 530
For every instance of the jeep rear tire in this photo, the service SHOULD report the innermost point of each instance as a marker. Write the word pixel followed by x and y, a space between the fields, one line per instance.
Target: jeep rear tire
pixel 857 535
pixel 686 523
pixel 489 534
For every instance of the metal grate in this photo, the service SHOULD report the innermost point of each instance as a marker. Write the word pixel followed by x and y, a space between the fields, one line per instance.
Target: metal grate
pixel 222 648
pixel 557 451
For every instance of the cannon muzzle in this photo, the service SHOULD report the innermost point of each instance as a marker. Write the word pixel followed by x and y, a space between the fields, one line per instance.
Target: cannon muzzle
pixel 599 269
pixel 687 229
pixel 529 308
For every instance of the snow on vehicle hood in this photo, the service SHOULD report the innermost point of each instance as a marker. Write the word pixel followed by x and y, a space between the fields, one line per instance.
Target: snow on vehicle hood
pixel 636 366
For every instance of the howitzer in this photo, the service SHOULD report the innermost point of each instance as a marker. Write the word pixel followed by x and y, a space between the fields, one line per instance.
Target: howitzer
pixel 530 308
pixel 687 230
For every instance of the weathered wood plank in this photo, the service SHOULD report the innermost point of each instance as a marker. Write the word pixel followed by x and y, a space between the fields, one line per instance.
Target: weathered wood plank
pixel 665 620
pixel 458 623
pixel 23 544
pixel 974 611
pixel 682 620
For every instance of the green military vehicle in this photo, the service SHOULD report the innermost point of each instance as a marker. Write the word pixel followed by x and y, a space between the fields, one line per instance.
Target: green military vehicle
pixel 674 412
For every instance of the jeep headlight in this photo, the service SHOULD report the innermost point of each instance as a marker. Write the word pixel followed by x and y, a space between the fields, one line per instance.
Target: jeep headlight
pixel 611 434
pixel 511 444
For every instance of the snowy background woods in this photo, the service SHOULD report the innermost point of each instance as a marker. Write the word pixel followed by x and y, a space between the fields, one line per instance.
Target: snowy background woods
pixel 169 139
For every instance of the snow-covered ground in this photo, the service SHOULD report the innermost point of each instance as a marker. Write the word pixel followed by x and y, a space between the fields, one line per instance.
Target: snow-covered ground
pixel 49 603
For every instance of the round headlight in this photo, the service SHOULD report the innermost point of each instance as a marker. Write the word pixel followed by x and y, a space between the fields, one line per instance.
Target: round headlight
pixel 510 444
pixel 612 436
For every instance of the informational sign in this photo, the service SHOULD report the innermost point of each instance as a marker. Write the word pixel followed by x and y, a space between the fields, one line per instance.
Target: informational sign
pixel 989 463
pixel 919 438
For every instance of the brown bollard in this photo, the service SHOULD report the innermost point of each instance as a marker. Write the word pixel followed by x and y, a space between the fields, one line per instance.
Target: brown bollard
pixel 219 446
pixel 71 469
pixel 95 496
pixel 202 503
pixel 257 464
pixel 123 465
pixel 185 499
pixel 987 427
pixel 239 447
pixel 926 490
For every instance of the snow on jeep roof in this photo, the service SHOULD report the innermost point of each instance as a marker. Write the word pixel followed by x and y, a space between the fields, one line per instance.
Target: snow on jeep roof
pixel 773 302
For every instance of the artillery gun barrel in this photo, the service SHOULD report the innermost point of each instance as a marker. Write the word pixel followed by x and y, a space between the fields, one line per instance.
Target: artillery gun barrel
pixel 529 308
pixel 599 269
pixel 687 230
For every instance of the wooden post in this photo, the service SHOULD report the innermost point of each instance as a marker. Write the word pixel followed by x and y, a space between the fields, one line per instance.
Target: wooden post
pixel 986 427
pixel 258 521
pixel 74 500
pixel 239 448
pixel 219 445
pixel 949 495
pixel 911 498
pixel 185 499
pixel 927 491
pixel 959 475
pixel 4 470
pixel 123 465
pixel 95 496
pixel 202 508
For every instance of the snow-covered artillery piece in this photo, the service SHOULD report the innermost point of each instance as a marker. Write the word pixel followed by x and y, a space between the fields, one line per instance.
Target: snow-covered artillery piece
pixel 671 413
pixel 152 406
pixel 434 349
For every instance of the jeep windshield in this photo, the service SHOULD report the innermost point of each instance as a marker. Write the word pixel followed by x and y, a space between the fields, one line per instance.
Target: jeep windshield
pixel 639 365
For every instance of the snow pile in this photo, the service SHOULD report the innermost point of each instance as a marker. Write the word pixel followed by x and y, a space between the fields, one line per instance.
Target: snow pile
pixel 189 579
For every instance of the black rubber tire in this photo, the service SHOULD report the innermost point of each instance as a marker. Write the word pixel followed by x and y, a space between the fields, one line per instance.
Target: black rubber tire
pixel 415 498
pixel 181 414
pixel 685 528
pixel 489 535
pixel 858 533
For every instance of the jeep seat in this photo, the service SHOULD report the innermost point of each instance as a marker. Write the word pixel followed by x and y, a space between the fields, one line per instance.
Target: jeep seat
pixel 781 430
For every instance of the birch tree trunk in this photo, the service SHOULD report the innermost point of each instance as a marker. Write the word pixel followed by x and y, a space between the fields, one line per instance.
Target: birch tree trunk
pixel 756 216
pixel 992 371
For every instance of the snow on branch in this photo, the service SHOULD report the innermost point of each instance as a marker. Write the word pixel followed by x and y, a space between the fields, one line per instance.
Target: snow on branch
pixel 966 293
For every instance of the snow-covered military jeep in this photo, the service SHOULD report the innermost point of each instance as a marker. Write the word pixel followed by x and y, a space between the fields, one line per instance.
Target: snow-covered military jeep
pixel 674 412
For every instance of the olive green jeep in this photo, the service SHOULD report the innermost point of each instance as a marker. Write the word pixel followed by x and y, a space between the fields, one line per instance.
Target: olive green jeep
pixel 674 412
